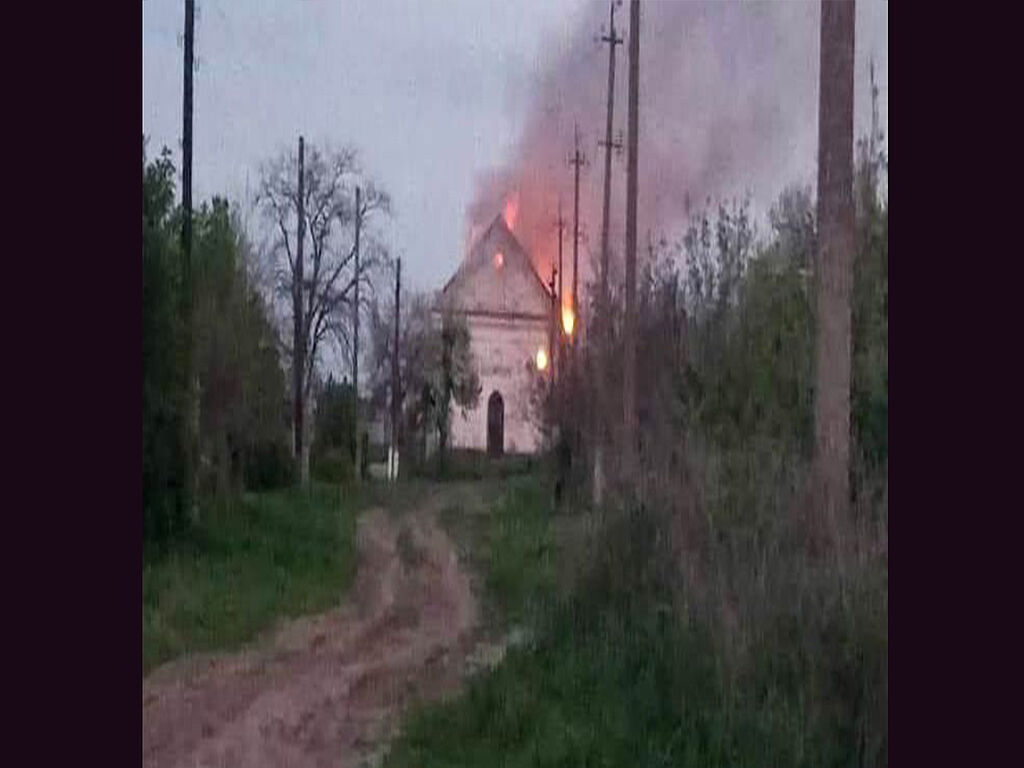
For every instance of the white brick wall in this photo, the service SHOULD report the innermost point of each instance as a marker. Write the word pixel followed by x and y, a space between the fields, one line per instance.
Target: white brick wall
pixel 505 347
pixel 504 351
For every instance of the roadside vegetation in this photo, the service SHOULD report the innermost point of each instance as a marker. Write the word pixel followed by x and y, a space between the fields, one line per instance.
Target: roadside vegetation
pixel 706 611
pixel 234 546
pixel 510 545
pixel 706 626
pixel 462 464
pixel 251 561
pixel 785 663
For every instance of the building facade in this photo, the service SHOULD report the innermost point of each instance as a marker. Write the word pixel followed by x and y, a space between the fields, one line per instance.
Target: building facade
pixel 508 311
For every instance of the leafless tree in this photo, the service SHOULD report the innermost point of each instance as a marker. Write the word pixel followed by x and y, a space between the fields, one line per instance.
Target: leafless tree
pixel 319 305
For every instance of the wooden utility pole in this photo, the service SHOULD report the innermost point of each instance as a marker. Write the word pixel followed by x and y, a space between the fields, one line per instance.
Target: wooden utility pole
pixel 186 147
pixel 190 434
pixel 836 238
pixel 560 331
pixel 561 237
pixel 355 345
pixel 613 40
pixel 298 327
pixel 577 160
pixel 603 319
pixel 629 378
pixel 396 391
pixel 553 330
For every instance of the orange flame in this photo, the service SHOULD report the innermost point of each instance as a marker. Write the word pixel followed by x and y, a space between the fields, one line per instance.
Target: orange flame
pixel 512 210
pixel 568 320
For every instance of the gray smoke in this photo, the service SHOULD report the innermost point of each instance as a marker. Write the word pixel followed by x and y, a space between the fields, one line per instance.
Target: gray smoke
pixel 728 108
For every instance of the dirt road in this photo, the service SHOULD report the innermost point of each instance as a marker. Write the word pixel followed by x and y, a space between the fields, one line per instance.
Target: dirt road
pixel 329 689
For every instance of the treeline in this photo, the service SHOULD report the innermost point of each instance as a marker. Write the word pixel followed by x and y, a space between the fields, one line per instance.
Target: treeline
pixel 726 335
pixel 437 374
pixel 250 308
pixel 236 408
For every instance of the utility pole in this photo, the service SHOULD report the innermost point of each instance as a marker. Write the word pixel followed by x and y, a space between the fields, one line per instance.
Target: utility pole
pixel 836 247
pixel 553 330
pixel 355 346
pixel 186 164
pixel 560 226
pixel 577 160
pixel 608 145
pixel 191 412
pixel 561 237
pixel 603 320
pixel 396 392
pixel 298 326
pixel 629 378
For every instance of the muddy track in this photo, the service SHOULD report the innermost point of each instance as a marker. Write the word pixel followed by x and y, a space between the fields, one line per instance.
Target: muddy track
pixel 328 690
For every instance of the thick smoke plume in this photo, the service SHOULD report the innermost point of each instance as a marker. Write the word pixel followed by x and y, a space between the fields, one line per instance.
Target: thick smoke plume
pixel 728 107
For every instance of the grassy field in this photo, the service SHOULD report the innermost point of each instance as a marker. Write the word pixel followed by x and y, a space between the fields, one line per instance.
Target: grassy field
pixel 620 674
pixel 262 557
pixel 511 544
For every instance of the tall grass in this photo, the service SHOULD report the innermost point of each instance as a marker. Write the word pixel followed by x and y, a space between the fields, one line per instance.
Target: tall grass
pixel 251 561
pixel 700 633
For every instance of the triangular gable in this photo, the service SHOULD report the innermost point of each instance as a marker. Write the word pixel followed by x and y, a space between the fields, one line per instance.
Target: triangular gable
pixel 480 285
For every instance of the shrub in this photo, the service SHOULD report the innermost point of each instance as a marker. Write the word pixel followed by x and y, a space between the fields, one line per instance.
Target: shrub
pixel 268 466
pixel 332 465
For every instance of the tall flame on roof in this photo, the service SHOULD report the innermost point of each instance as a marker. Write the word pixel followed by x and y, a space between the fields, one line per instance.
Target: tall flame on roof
pixel 512 210
pixel 568 320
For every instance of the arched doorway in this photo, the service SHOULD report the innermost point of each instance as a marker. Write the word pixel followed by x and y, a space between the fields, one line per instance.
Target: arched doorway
pixel 495 424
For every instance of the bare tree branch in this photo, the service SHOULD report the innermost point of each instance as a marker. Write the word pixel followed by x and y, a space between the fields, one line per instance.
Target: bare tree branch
pixel 325 295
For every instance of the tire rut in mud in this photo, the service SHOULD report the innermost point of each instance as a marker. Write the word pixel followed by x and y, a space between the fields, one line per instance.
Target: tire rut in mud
pixel 327 689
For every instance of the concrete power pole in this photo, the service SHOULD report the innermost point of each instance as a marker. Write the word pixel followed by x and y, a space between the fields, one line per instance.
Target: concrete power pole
pixel 355 346
pixel 629 378
pixel 190 423
pixel 835 266
pixel 396 391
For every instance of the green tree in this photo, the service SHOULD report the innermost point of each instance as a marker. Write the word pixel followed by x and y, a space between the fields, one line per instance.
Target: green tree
pixel 456 381
pixel 870 380
pixel 164 497
pixel 437 368
pixel 242 385
pixel 334 448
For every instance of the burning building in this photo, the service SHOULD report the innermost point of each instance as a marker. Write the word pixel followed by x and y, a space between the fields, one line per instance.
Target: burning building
pixel 508 311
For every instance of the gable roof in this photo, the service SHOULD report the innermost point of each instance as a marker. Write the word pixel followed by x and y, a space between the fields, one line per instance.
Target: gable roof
pixel 478 286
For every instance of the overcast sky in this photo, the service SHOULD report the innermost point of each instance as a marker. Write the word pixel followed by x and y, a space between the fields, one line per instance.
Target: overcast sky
pixel 431 93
